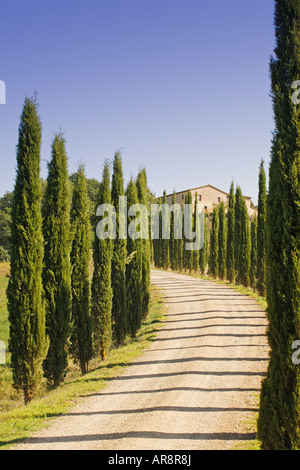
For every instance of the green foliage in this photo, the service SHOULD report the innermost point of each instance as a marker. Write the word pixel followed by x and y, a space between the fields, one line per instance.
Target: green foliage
pixel 4 255
pixel 253 267
pixel 261 232
pixel 188 224
pixel 5 221
pixel 28 343
pixel 222 241
pixel 196 229
pixel 81 338
pixel 278 424
pixel 214 244
pixel 134 274
pixel 57 266
pixel 142 188
pixel 165 247
pixel 101 306
pixel 243 274
pixel 237 232
pixel 119 313
pixel 203 255
pixel 230 255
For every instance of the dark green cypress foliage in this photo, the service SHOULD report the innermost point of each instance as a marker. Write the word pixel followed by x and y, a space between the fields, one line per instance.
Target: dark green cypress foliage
pixel 118 267
pixel 261 232
pixel 101 302
pixel 141 184
pixel 203 256
pixel 222 241
pixel 28 342
pixel 157 243
pixel 238 233
pixel 196 229
pixel 134 273
pixel 173 254
pixel 278 424
pixel 81 338
pixel 165 246
pixel 245 246
pixel 253 268
pixel 57 266
pixel 230 255
pixel 188 223
pixel 214 244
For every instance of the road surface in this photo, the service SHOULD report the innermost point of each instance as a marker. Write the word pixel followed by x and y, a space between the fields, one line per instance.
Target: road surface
pixel 194 388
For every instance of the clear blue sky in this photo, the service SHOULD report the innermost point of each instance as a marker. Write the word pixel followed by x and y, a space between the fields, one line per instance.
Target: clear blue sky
pixel 180 86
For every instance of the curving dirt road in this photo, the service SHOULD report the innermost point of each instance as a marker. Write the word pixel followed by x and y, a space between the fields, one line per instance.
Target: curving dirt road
pixel 192 389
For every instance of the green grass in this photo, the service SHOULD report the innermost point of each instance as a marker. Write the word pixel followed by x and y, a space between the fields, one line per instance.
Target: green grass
pixel 18 422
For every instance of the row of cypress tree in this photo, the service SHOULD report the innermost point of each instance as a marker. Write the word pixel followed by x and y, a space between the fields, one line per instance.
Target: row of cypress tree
pixel 60 304
pixel 234 248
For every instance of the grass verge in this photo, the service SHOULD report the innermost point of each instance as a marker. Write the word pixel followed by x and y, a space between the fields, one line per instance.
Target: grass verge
pixel 22 421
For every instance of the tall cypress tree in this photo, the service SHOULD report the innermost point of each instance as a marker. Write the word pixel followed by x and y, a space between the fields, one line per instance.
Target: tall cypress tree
pixel 253 267
pixel 222 241
pixel 188 223
pixel 101 302
pixel 261 232
pixel 278 424
pixel 57 266
pixel 119 255
pixel 196 229
pixel 245 245
pixel 81 338
pixel 214 244
pixel 28 342
pixel 173 257
pixel 134 275
pixel 165 247
pixel 230 254
pixel 237 233
pixel 142 187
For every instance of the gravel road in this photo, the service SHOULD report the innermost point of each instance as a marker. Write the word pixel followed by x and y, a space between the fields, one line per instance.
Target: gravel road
pixel 193 389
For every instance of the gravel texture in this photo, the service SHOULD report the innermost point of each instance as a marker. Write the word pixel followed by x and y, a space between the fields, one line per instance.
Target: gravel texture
pixel 194 388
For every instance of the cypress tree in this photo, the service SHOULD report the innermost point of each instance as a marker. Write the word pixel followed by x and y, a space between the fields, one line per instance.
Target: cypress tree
pixel 196 229
pixel 278 424
pixel 101 302
pixel 261 232
pixel 238 233
pixel 173 254
pixel 188 222
pixel 141 184
pixel 81 338
pixel 28 342
pixel 204 250
pixel 222 241
pixel 134 275
pixel 214 244
pixel 165 246
pixel 119 255
pixel 157 243
pixel 230 255
pixel 253 267
pixel 57 266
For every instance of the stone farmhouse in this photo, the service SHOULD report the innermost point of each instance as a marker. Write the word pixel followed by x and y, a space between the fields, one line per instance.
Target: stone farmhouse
pixel 208 197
